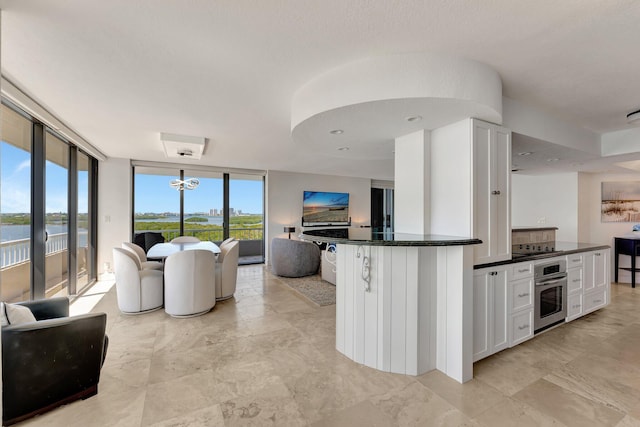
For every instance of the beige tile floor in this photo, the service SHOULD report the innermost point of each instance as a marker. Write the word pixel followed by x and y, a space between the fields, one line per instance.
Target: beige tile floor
pixel 267 357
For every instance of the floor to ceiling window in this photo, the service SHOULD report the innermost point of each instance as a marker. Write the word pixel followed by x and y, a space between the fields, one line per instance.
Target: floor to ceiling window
pixel 204 206
pixel 246 215
pixel 84 244
pixel 156 204
pixel 56 216
pixel 210 205
pixel 47 202
pixel 15 206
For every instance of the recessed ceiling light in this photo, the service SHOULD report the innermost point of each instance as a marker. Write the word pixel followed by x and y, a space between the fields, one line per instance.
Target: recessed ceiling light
pixel 414 118
pixel 336 132
pixel 553 159
pixel 525 153
pixel 343 149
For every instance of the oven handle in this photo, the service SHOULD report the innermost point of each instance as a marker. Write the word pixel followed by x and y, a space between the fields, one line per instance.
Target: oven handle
pixel 552 282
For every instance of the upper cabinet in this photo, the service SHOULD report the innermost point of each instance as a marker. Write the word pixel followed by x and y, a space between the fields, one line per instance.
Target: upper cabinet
pixel 470 191
pixel 491 192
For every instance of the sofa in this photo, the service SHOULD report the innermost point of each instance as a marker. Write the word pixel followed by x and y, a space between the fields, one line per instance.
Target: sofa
pixel 294 258
pixel 52 361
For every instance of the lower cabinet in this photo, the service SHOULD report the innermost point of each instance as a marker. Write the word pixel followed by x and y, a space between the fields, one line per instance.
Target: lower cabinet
pixel 521 327
pixel 503 299
pixel 575 306
pixel 588 282
pixel 490 299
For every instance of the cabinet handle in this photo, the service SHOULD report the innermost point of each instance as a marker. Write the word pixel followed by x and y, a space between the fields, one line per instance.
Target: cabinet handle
pixel 576 280
pixel 575 260
pixel 597 254
pixel 523 327
pixel 576 306
pixel 597 300
pixel 496 192
pixel 523 270
pixel 523 295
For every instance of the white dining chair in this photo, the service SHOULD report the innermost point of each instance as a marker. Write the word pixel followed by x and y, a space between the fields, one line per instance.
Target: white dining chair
pixel 137 290
pixel 227 270
pixel 142 257
pixel 185 239
pixel 189 283
pixel 227 241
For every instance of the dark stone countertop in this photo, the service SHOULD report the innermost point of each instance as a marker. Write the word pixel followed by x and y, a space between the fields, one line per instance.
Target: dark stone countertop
pixel 521 228
pixel 561 249
pixel 360 236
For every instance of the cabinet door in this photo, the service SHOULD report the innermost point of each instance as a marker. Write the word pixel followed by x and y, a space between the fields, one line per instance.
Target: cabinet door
pixel 521 327
pixel 588 280
pixel 492 192
pixel 485 210
pixel 574 306
pixel 574 280
pixel 500 325
pixel 490 326
pixel 601 268
pixel 502 183
pixel 481 298
pixel 521 294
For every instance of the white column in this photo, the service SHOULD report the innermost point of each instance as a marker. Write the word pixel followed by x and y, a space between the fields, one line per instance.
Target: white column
pixel 412 183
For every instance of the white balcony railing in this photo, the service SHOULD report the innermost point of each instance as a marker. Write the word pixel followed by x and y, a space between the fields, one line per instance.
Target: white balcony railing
pixel 18 251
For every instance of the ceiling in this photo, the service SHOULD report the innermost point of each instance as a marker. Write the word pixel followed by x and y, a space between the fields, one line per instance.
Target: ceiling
pixel 120 72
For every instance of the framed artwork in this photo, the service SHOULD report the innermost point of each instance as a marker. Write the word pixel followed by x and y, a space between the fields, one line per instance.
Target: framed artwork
pixel 620 201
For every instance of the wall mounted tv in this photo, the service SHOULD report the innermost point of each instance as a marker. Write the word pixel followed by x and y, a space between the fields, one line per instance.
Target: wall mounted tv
pixel 323 208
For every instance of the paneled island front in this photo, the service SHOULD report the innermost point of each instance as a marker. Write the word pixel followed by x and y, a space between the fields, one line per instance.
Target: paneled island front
pixel 404 302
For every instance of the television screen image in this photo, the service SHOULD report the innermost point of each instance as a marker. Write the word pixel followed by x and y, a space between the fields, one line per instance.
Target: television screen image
pixel 324 208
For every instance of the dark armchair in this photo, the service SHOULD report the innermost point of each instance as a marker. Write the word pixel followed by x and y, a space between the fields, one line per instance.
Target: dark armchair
pixel 147 239
pixel 51 362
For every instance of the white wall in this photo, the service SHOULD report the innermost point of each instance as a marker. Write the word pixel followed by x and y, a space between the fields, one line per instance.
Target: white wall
pixel 531 121
pixel 452 175
pixel 598 231
pixel 591 224
pixel 114 208
pixel 284 199
pixel 547 200
pixel 412 183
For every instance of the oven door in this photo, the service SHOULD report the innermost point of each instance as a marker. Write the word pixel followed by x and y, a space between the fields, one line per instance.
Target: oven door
pixel 550 303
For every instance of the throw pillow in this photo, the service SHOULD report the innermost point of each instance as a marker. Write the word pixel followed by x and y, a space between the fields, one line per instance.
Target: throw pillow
pixel 17 314
pixel 3 315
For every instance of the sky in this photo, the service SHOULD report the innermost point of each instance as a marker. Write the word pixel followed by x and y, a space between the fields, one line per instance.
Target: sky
pixel 152 194
pixel 15 175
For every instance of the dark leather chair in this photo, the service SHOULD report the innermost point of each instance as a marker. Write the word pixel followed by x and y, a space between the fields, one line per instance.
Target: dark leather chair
pixel 147 239
pixel 51 362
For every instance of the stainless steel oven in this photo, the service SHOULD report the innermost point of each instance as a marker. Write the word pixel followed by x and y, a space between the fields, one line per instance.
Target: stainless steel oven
pixel 550 304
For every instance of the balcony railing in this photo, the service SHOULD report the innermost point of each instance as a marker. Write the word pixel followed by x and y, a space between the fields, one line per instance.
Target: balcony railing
pixel 18 251
pixel 213 235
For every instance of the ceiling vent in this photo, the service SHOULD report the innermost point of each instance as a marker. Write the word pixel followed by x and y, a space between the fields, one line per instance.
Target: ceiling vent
pixel 182 146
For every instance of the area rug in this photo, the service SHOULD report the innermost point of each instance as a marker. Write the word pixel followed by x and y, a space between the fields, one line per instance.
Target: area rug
pixel 313 287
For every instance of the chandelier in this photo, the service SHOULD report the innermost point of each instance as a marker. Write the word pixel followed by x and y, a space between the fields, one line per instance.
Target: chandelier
pixel 189 184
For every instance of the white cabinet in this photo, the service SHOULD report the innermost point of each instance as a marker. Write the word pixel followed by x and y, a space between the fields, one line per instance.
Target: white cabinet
pixel 575 286
pixel 596 281
pixel 521 295
pixel 490 310
pixel 492 192
pixel 588 285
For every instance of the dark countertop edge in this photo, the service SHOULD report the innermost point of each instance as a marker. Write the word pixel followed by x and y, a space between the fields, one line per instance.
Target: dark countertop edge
pixel 516 228
pixel 541 256
pixel 435 242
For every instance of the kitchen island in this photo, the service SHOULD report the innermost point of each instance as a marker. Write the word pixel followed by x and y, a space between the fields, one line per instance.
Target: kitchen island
pixel 404 302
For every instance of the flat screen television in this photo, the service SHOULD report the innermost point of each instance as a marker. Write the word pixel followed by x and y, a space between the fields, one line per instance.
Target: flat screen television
pixel 324 208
